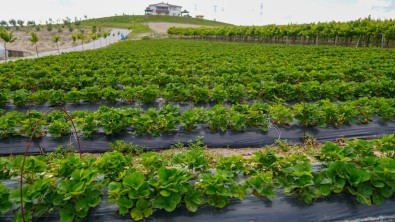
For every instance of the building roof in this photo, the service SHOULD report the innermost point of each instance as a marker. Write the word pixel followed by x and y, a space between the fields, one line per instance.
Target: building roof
pixel 162 3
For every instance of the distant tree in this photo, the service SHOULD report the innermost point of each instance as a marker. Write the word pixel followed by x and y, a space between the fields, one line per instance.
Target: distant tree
pixel 94 29
pixel 77 22
pixel 3 23
pixel 38 28
pixel 13 23
pixel 56 39
pixel 7 37
pixel 20 23
pixel 34 39
pixel 119 35
pixel 31 23
pixel 86 17
pixel 49 26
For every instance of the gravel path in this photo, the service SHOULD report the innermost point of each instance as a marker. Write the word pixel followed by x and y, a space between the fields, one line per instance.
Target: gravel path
pixel 162 27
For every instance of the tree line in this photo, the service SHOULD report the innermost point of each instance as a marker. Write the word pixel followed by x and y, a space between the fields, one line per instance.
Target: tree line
pixel 362 32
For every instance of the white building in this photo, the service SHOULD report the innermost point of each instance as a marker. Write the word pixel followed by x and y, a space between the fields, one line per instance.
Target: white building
pixel 163 9
pixel 2 52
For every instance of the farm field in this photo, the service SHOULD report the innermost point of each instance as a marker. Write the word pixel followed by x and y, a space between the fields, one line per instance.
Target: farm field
pixel 159 86
pixel 157 90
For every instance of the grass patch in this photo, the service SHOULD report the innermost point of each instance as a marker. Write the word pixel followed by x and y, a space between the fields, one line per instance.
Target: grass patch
pixel 125 21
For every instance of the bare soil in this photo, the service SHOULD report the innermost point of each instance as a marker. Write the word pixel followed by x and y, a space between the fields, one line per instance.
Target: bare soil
pixel 45 44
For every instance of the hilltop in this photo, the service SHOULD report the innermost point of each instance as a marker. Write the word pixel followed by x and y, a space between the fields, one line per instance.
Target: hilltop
pixel 125 21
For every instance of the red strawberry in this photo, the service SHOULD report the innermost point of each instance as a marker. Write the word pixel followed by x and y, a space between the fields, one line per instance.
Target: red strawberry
pixel 40 136
pixel 287 124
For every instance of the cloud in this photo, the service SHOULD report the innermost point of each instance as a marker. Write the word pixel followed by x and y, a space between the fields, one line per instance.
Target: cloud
pixel 385 5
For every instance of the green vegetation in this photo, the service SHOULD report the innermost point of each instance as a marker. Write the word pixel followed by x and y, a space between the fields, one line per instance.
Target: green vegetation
pixel 248 86
pixel 362 32
pixel 125 21
pixel 143 183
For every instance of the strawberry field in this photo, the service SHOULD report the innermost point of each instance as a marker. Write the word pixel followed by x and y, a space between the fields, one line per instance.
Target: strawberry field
pixel 160 92
pixel 158 87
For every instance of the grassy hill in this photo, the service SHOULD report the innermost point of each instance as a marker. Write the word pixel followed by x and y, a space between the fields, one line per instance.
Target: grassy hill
pixel 125 21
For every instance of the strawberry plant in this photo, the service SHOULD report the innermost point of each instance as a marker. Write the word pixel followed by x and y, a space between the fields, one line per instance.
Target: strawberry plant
pixel 218 94
pixel 31 122
pixel 113 165
pixel 126 148
pixel 281 115
pixel 199 94
pixel 235 93
pixel 39 97
pixel 91 94
pixel 258 116
pixel 176 92
pixel 132 195
pixel 191 117
pixel 217 118
pixel 78 188
pixel 110 120
pixel 309 115
pixel 147 95
pixel 111 95
pixel 59 128
pixel 129 94
pixel 170 185
pixel 20 97
pixel 4 96
pixel 74 96
pixel 194 159
pixel 262 185
pixel 9 122
pixel 86 122
pixel 220 187
pixel 56 97
pixel 5 203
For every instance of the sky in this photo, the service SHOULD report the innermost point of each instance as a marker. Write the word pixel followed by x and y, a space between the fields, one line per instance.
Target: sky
pixel 247 12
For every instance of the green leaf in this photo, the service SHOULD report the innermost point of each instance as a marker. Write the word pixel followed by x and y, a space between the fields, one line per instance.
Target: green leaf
pixel 165 193
pixel 136 214
pixel 193 200
pixel 124 202
pixel 134 180
pixel 378 184
pixel 386 191
pixel 378 199
pixel 78 188
pixel 66 216
pixel 123 210
pixel 167 203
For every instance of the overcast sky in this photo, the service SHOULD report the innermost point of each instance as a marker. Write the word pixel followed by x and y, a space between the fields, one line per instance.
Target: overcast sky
pixel 247 12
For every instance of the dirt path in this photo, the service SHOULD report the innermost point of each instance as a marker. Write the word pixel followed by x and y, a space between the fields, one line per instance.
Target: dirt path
pixel 162 27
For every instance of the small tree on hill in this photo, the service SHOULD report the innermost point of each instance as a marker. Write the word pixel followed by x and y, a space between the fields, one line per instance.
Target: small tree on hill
pixel 83 38
pixel 13 23
pixel 56 39
pixel 7 37
pixel 20 23
pixel 94 37
pixel 34 39
pixel 74 37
